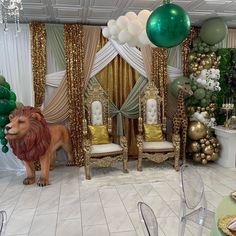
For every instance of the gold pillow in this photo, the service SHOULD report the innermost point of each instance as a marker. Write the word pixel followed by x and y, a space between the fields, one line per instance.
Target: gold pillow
pixel 99 134
pixel 153 133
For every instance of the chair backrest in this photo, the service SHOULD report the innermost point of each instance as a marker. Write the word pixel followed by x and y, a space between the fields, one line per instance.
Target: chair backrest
pixel 3 222
pixel 96 104
pixel 192 186
pixel 148 219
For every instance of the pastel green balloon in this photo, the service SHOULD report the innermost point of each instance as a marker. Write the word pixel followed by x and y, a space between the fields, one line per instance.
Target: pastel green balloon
pixel 199 93
pixel 168 26
pixel 174 86
pixel 213 31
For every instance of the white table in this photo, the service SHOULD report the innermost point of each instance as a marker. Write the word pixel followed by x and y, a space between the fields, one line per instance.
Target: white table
pixel 227 140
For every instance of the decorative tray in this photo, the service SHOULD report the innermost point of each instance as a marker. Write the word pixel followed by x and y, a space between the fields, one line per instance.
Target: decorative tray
pixel 223 223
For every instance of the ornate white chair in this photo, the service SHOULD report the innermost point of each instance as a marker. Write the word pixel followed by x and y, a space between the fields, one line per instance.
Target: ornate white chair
pixel 151 140
pixel 99 148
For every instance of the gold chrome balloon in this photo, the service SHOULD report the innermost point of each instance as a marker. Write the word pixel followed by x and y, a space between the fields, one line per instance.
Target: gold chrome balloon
pixel 197 130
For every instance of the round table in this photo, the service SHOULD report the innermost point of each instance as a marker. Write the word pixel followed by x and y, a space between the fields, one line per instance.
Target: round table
pixel 226 207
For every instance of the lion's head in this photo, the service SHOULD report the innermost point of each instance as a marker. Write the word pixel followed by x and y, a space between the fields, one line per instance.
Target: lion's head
pixel 28 133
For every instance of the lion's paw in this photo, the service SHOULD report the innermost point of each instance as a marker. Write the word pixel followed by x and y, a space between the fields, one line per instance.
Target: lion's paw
pixel 29 180
pixel 42 182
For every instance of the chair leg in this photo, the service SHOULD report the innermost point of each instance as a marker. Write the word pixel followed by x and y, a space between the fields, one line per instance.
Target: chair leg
pixel 140 166
pixel 87 167
pixel 125 163
pixel 182 227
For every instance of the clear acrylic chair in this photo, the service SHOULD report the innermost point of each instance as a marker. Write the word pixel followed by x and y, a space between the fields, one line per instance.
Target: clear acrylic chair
pixel 193 206
pixel 148 219
pixel 3 222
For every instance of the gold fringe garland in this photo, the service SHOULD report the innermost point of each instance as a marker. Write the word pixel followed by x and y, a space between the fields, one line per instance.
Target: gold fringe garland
pixel 194 31
pixel 159 76
pixel 38 57
pixel 73 39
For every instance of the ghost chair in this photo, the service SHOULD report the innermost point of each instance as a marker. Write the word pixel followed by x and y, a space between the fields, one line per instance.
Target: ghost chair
pixel 3 222
pixel 148 219
pixel 193 206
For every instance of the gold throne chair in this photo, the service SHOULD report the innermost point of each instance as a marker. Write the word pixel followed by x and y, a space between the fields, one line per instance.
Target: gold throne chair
pixel 151 139
pixel 98 144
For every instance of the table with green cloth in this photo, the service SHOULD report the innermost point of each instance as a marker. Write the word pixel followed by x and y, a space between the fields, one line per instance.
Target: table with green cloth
pixel 226 207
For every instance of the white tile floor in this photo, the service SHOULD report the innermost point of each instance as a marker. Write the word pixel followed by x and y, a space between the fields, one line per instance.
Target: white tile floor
pixel 105 205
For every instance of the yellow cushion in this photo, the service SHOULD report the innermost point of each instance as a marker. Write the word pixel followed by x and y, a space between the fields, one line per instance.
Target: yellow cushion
pixel 99 134
pixel 153 133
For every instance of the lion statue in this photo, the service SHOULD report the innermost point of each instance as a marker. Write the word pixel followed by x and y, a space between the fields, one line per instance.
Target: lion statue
pixel 32 139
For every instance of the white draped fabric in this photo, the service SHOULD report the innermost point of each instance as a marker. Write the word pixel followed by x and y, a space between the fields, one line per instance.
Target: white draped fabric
pixel 15 65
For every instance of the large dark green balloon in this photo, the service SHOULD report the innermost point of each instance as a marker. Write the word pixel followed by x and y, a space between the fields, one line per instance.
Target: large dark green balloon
pixel 6 106
pixel 213 31
pixel 12 96
pixel 5 149
pixel 4 141
pixel 168 26
pixel 174 86
pixel 6 85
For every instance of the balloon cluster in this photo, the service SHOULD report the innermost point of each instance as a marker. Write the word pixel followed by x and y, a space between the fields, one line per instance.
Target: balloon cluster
pixel 7 104
pixel 209 79
pixel 200 61
pixel 202 97
pixel 202 47
pixel 203 146
pixel 130 29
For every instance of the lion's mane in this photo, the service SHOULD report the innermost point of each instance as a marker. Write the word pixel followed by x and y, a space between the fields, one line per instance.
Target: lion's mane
pixel 36 141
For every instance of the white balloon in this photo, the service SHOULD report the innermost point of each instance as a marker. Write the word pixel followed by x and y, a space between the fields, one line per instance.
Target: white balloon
pixel 131 15
pixel 134 27
pixel 111 23
pixel 122 22
pixel 124 36
pixel 144 15
pixel 114 30
pixel 106 32
pixel 143 38
pixel 133 42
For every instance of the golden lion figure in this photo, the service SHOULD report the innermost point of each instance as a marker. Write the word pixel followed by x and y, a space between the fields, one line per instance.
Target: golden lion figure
pixel 32 139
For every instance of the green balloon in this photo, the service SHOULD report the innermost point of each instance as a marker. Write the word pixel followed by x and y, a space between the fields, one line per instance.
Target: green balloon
pixel 204 102
pixel 2 79
pixel 2 134
pixel 174 86
pixel 3 120
pixel 4 141
pixel 4 106
pixel 4 92
pixel 5 149
pixel 213 31
pixel 199 94
pixel 7 85
pixel 12 105
pixel 12 96
pixel 168 26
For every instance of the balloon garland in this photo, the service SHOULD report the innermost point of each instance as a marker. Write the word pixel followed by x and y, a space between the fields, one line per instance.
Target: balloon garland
pixel 7 104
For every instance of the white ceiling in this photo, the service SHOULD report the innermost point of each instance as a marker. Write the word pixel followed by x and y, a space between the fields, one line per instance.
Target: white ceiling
pixel 98 12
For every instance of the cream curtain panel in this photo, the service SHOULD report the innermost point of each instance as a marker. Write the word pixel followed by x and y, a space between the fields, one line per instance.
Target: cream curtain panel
pixel 231 39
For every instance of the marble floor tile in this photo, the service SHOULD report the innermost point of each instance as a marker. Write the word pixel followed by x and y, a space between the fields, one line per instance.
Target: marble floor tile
pixel 118 219
pixel 41 225
pixel 96 230
pixel 69 228
pixel 92 214
pixel 88 195
pixel 127 233
pixel 110 197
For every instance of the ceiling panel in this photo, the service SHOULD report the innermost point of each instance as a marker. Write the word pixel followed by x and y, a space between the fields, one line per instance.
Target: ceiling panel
pixel 100 11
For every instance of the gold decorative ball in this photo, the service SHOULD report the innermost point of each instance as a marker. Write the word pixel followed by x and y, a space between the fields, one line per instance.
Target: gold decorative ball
pixel 214 145
pixel 195 146
pixel 203 109
pixel 197 157
pixel 214 156
pixel 203 155
pixel 196 130
pixel 208 150
pixel 217 150
pixel 207 142
pixel 209 157
pixel 203 145
pixel 204 161
pixel 202 140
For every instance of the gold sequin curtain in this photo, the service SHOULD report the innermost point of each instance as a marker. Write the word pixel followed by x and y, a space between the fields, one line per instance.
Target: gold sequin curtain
pixel 38 57
pixel 73 39
pixel 194 31
pixel 118 78
pixel 159 75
